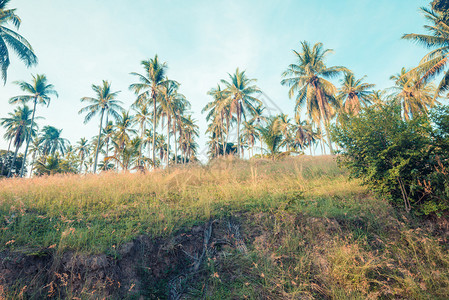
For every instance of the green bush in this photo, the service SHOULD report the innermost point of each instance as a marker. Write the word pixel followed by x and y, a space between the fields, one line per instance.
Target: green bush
pixel 404 161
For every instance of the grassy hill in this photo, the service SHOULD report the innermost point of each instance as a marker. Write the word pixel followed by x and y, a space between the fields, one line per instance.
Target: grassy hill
pixel 259 229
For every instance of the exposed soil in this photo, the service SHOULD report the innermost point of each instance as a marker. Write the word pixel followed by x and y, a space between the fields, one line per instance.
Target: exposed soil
pixel 144 268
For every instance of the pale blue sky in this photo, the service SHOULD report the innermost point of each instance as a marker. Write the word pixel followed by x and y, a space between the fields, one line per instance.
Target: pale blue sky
pixel 82 42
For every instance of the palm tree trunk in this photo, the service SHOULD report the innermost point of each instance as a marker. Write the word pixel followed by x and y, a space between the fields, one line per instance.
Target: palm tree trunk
pixel 142 128
pixel 154 131
pixel 225 145
pixel 98 142
pixel 168 140
pixel 14 161
pixel 6 157
pixel 238 132
pixel 325 122
pixel 28 139
pixel 176 146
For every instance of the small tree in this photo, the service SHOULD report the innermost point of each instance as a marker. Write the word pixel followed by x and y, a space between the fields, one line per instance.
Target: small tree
pixel 400 160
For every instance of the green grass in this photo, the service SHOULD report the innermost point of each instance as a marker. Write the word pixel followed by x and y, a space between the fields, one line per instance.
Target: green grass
pixel 310 232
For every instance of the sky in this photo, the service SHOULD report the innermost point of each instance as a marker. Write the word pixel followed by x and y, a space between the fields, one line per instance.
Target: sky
pixel 80 43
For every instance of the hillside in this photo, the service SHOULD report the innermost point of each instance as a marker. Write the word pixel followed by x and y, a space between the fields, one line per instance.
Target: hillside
pixel 260 229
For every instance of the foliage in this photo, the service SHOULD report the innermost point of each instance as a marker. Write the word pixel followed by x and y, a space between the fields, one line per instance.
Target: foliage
pixel 6 158
pixel 54 164
pixel 402 160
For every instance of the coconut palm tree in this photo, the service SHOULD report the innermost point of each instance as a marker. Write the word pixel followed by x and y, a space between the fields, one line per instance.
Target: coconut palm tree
pixel 11 40
pixel 51 141
pixel 180 106
pixel 250 134
pixel 354 93
pixel 308 78
pixel 17 124
pixel 414 98
pixel 149 86
pixel 434 62
pixel 272 135
pixel 142 118
pixel 169 92
pixel 219 111
pixel 39 91
pixel 83 149
pixel 189 133
pixel 123 132
pixel 105 101
pixel 240 91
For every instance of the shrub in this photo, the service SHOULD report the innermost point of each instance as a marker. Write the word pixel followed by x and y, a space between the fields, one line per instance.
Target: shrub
pixel 404 161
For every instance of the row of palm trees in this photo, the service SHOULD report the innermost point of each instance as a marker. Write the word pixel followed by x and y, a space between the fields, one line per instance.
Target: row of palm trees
pixel 309 82
pixel 158 105
pixel 235 114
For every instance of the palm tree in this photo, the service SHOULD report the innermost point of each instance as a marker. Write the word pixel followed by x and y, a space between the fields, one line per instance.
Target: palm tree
pixel 83 149
pixel 220 113
pixel 180 106
pixel 17 124
pixel 39 91
pixel 434 62
pixel 272 135
pixel 51 141
pixel 105 101
pixel 149 87
pixel 414 98
pixel 169 92
pixel 189 132
pixel 9 39
pixel 354 93
pixel 308 78
pixel 249 134
pixel 142 118
pixel 123 132
pixel 240 93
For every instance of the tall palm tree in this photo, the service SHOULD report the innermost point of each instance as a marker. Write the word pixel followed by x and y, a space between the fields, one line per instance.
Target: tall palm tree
pixel 39 91
pixel 142 118
pixel 434 62
pixel 354 93
pixel 169 92
pixel 180 106
pixel 17 124
pixel 123 132
pixel 105 101
pixel 308 78
pixel 149 87
pixel 83 149
pixel 414 98
pixel 189 132
pixel 240 91
pixel 51 141
pixel 9 39
pixel 220 113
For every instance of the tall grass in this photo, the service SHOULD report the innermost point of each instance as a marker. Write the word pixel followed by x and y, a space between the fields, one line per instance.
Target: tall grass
pixel 95 213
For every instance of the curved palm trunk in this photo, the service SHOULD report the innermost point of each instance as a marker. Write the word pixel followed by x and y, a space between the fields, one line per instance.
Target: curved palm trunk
pixel 6 157
pixel 14 161
pixel 325 121
pixel 98 142
pixel 28 139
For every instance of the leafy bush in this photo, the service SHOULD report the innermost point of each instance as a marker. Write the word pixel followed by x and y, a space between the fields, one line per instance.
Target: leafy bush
pixel 404 161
